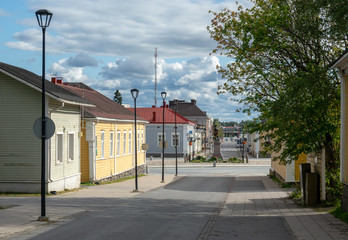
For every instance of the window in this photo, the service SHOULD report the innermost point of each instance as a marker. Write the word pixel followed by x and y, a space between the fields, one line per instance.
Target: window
pixel 70 146
pixel 175 140
pixel 124 142
pixel 138 141
pixel 59 148
pixel 142 137
pixel 159 138
pixel 96 146
pixel 111 144
pixel 102 135
pixel 130 142
pixel 118 142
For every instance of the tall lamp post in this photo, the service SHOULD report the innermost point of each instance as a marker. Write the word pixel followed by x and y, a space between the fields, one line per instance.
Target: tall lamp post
pixel 43 18
pixel 135 93
pixel 163 94
pixel 176 138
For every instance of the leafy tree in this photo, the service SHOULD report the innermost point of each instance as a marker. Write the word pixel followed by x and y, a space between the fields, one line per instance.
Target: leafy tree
pixel 281 51
pixel 117 97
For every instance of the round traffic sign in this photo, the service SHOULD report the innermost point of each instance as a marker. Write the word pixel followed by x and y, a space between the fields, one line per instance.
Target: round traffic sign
pixel 50 128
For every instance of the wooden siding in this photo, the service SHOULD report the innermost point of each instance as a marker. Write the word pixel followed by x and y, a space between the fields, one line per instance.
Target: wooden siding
pixel 84 155
pixel 113 164
pixel 20 150
pixel 67 121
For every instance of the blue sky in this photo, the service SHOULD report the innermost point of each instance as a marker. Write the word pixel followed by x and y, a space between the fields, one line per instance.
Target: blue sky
pixel 109 45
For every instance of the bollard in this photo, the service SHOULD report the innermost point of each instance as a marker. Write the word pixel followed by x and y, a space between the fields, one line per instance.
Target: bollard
pixel 214 164
pixel 147 170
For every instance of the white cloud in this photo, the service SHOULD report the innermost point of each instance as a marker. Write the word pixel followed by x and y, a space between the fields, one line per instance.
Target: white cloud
pixel 67 72
pixel 128 28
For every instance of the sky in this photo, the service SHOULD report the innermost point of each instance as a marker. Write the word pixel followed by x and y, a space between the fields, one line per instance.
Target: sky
pixel 110 44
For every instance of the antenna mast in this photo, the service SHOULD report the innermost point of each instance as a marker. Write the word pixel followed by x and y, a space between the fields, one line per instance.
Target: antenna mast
pixel 155 77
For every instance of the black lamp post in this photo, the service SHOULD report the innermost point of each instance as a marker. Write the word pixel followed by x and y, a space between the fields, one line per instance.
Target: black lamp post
pixel 176 138
pixel 43 18
pixel 135 93
pixel 163 94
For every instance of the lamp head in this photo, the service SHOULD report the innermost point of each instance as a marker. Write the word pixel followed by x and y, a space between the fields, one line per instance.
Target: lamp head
pixel 135 93
pixel 164 95
pixel 43 17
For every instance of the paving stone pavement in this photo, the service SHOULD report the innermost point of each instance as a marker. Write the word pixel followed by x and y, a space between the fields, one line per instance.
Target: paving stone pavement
pixel 257 209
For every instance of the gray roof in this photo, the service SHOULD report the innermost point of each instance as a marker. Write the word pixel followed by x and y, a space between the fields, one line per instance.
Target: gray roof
pixel 34 80
pixel 188 108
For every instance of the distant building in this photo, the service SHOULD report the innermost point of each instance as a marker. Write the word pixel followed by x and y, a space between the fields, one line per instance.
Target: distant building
pixel 154 116
pixel 204 124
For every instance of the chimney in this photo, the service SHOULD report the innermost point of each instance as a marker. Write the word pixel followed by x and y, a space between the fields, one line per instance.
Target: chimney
pixel 154 116
pixel 193 101
pixel 57 80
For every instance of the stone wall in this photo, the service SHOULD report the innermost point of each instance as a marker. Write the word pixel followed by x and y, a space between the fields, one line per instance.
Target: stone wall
pixel 129 173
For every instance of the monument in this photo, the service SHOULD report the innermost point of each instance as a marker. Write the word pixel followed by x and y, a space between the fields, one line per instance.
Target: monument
pixel 217 144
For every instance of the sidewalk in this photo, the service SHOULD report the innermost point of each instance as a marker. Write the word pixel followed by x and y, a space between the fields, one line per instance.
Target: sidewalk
pixel 257 208
pixel 22 212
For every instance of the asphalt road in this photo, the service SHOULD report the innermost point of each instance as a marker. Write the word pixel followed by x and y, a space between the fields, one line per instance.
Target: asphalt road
pixel 179 210
pixel 214 171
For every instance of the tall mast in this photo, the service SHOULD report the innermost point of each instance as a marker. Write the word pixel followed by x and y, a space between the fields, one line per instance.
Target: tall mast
pixel 155 77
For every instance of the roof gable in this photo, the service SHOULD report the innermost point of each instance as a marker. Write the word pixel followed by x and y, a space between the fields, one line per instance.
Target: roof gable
pixel 155 115
pixel 188 109
pixel 35 81
pixel 105 107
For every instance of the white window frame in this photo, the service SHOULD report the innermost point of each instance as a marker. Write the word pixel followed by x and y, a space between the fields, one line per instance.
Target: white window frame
pixel 159 134
pixel 178 138
pixel 59 148
pixel 118 142
pixel 130 141
pixel 124 142
pixel 112 135
pixel 102 144
pixel 71 150
pixel 142 137
pixel 138 143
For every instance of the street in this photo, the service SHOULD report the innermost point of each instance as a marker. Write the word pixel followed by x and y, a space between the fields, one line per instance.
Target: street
pixel 188 208
pixel 202 203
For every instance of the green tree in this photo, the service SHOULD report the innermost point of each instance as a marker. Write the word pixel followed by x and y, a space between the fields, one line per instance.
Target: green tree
pixel 281 50
pixel 117 97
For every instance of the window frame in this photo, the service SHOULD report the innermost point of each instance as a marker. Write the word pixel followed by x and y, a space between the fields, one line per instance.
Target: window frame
pixel 177 139
pixel 59 147
pixel 118 143
pixel 102 144
pixel 71 151
pixel 112 136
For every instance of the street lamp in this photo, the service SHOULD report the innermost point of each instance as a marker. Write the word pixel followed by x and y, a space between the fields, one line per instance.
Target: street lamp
pixel 163 94
pixel 135 93
pixel 176 138
pixel 43 18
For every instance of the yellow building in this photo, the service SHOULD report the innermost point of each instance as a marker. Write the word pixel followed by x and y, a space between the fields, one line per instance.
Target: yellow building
pixel 288 172
pixel 107 141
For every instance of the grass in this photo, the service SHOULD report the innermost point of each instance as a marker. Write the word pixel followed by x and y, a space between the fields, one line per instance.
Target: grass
pixel 338 213
pixel 295 194
pixel 110 182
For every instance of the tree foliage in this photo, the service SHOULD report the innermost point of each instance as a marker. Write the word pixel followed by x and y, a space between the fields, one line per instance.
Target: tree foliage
pixel 117 97
pixel 281 51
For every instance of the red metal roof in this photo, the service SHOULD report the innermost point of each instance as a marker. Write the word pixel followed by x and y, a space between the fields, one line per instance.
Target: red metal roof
pixel 155 115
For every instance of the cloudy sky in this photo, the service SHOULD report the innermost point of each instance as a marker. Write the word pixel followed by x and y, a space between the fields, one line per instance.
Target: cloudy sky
pixel 109 45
